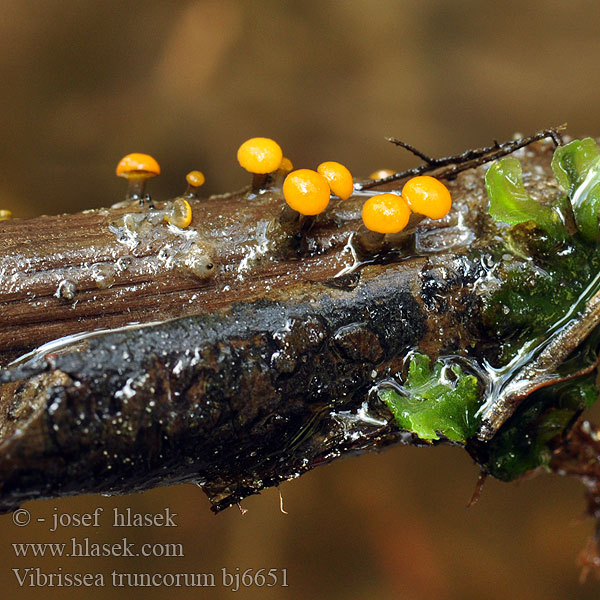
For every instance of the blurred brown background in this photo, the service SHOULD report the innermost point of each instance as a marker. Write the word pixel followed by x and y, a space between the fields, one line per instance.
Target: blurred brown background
pixel 85 82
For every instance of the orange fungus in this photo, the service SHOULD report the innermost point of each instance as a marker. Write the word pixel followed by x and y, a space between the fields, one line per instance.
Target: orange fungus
pixel 260 155
pixel 195 178
pixel 180 214
pixel 286 165
pixel 339 178
pixel 138 165
pixel 306 192
pixel 381 174
pixel 386 213
pixel 427 196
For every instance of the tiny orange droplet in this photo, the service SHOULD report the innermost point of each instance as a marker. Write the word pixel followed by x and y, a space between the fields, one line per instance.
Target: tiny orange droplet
pixel 180 214
pixel 381 174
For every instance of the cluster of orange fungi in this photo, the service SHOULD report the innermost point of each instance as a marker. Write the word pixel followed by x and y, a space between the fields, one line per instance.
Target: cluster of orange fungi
pixel 307 192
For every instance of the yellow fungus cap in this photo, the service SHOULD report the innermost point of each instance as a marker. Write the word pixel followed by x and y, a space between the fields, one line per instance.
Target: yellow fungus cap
pixel 381 174
pixel 5 214
pixel 138 165
pixel 195 178
pixel 260 155
pixel 427 196
pixel 306 191
pixel 339 178
pixel 286 165
pixel 386 213
pixel 180 214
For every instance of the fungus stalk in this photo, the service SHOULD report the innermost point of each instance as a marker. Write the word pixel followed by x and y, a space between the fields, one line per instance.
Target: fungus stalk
pixel 370 242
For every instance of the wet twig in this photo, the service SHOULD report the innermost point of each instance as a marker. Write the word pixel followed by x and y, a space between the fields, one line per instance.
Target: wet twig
pixel 468 159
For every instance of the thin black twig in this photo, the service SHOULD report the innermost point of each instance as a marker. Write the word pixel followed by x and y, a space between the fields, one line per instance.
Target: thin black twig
pixel 469 159
pixel 427 159
pixel 446 160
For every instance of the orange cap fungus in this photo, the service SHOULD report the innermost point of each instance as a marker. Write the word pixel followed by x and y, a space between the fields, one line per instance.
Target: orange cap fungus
pixel 260 155
pixel 5 214
pixel 180 214
pixel 306 192
pixel 286 165
pixel 381 174
pixel 427 196
pixel 386 213
pixel 195 178
pixel 138 165
pixel 339 178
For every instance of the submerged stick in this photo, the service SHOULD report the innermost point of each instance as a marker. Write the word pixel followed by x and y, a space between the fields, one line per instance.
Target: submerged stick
pixel 234 355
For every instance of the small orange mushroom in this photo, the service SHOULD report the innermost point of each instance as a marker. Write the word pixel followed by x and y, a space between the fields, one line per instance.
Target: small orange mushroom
pixel 306 192
pixel 382 214
pixel 339 178
pixel 180 214
pixel 286 165
pixel 260 156
pixel 427 196
pixel 5 214
pixel 195 180
pixel 137 168
pixel 386 213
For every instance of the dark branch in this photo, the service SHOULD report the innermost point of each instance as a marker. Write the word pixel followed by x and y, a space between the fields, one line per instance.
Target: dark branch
pixel 469 159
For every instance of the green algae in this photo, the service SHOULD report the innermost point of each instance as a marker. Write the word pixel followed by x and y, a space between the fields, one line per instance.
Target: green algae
pixel 576 166
pixel 438 401
pixel 511 203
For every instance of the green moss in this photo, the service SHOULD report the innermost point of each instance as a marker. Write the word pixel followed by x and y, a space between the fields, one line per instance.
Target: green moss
pixel 548 276
pixel 439 401
pixel 538 291
pixel 548 271
pixel 525 442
